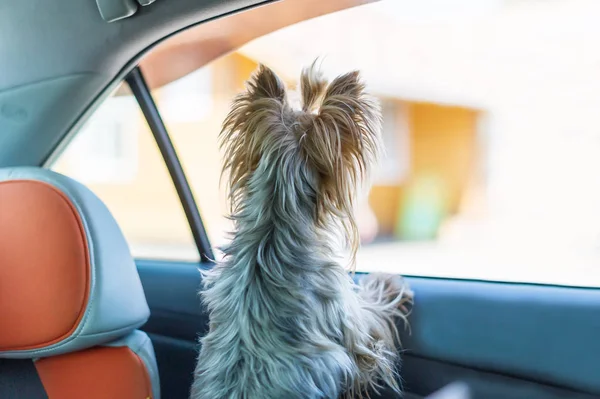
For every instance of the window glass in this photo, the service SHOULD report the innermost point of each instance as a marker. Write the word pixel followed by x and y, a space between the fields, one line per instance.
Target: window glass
pixel 193 108
pixel 115 155
pixel 490 126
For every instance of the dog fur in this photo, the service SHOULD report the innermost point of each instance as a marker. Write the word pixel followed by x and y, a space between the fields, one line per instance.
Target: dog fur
pixel 286 319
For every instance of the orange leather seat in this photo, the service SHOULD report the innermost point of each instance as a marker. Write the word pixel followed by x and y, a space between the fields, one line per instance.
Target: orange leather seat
pixel 70 296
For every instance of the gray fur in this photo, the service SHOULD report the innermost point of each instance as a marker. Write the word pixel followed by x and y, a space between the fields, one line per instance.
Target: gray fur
pixel 286 319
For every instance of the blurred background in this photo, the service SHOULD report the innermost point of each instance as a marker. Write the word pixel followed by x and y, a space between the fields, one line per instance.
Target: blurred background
pixel 491 126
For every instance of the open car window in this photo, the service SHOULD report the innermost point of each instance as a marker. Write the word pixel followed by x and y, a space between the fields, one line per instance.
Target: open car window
pixel 491 137
pixel 489 169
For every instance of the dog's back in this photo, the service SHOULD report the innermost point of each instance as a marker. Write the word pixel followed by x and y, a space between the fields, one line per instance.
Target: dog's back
pixel 285 318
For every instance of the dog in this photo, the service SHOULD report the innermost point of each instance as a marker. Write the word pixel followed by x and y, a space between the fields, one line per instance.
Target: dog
pixel 287 321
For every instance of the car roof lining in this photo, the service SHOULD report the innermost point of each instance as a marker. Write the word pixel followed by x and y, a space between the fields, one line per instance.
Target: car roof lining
pixel 200 45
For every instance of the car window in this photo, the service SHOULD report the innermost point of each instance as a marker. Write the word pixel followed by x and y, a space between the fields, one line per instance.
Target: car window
pixel 116 156
pixel 490 126
pixel 193 108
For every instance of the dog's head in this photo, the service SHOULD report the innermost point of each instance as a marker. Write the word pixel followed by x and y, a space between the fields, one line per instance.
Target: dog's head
pixel 324 150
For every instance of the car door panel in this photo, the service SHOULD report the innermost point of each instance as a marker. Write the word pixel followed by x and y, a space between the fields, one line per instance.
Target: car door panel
pixel 423 376
pixel 177 319
pixel 540 333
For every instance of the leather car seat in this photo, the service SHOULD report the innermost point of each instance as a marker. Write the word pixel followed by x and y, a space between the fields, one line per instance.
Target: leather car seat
pixel 71 299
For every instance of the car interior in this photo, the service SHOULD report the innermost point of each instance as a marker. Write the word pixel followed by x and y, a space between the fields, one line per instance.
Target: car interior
pixel 110 201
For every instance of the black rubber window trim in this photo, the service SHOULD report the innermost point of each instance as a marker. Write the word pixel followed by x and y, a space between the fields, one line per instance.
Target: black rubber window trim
pixel 141 92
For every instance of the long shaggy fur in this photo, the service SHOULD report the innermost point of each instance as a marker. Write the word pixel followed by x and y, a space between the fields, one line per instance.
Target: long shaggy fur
pixel 286 319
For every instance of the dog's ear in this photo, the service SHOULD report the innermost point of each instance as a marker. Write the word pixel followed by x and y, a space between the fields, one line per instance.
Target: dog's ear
pixel 344 136
pixel 253 123
pixel 264 83
pixel 312 87
pixel 342 142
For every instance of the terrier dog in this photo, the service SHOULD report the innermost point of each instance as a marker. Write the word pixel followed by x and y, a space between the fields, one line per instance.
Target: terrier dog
pixel 287 320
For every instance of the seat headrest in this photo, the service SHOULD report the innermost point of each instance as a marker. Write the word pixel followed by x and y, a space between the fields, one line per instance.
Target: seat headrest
pixel 67 278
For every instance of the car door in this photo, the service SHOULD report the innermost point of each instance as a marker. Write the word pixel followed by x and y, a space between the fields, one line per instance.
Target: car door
pixel 512 316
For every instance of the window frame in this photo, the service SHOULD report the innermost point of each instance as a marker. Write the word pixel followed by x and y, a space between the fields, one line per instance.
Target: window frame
pixel 141 92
